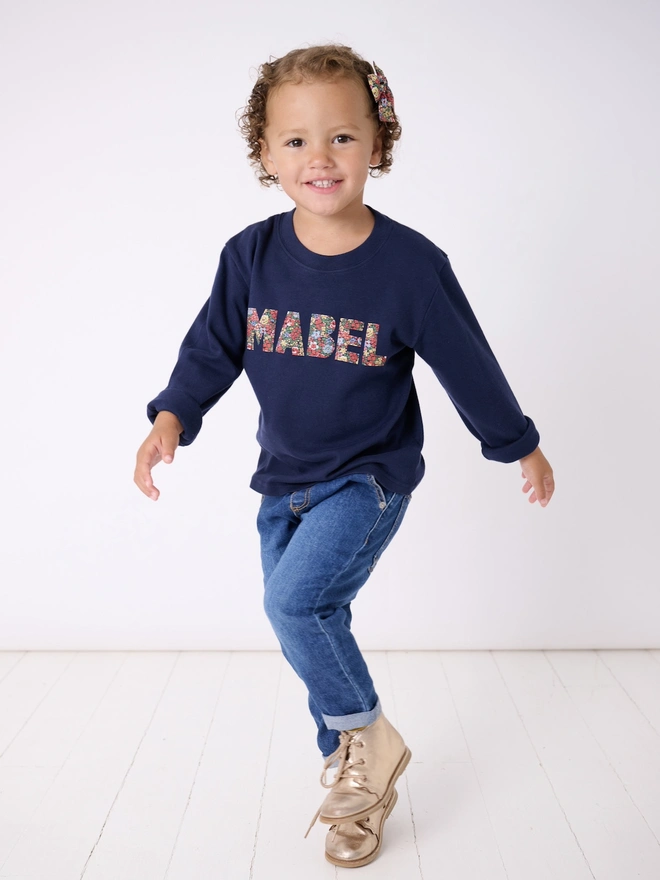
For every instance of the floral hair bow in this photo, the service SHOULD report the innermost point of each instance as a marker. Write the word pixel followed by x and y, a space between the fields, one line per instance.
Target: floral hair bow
pixel 382 94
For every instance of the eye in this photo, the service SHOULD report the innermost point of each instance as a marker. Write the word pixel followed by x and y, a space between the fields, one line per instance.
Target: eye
pixel 294 142
pixel 343 138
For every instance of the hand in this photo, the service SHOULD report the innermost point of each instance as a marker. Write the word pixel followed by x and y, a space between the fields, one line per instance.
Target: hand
pixel 537 473
pixel 159 445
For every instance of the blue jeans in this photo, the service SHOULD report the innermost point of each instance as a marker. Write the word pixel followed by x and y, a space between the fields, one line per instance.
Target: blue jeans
pixel 318 547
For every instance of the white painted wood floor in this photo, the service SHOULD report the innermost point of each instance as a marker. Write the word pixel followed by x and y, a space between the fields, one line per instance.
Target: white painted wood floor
pixel 525 765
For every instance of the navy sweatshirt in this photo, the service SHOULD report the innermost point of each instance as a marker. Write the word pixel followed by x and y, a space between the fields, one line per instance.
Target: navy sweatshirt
pixel 328 344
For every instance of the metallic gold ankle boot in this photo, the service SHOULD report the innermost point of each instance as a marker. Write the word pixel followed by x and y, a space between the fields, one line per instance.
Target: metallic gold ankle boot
pixel 370 762
pixel 354 844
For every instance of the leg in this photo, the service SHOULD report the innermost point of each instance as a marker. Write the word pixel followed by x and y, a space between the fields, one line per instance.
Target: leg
pixel 318 548
pixel 277 524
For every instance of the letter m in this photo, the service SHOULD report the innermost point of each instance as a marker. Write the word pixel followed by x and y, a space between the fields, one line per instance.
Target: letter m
pixel 261 329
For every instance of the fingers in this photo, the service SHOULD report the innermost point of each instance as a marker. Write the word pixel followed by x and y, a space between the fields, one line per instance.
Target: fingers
pixel 543 489
pixel 153 450
pixel 142 477
pixel 548 489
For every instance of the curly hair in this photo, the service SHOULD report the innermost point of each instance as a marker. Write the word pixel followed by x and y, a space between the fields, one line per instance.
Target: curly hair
pixel 326 62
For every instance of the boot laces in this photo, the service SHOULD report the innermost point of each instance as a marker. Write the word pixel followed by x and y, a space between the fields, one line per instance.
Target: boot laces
pixel 361 823
pixel 344 753
pixel 346 761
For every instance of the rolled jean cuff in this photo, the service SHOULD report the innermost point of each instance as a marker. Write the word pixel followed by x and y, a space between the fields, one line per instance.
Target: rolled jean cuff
pixel 349 722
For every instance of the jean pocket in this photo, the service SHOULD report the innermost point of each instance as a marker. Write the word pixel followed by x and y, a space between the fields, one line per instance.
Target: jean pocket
pixel 383 496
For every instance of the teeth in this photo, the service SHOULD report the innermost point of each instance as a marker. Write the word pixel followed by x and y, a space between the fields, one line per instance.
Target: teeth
pixel 323 183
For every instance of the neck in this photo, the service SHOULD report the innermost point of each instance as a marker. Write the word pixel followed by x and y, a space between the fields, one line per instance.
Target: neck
pixel 335 234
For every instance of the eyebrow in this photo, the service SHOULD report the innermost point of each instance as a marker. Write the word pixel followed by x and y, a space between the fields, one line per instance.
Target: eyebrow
pixel 292 131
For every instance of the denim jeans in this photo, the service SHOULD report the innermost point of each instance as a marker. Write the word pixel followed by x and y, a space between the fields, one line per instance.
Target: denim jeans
pixel 318 547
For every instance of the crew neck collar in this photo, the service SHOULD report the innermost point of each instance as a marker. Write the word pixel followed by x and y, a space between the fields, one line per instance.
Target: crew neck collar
pixel 330 263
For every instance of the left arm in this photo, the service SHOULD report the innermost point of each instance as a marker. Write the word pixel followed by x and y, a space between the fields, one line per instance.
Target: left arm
pixel 452 342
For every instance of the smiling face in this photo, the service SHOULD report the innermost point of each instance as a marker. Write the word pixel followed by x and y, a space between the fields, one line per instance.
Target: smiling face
pixel 320 139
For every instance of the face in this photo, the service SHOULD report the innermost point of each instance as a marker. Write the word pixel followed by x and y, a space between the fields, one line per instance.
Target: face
pixel 320 140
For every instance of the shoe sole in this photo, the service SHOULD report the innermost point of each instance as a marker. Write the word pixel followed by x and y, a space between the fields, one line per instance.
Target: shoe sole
pixel 358 863
pixel 355 817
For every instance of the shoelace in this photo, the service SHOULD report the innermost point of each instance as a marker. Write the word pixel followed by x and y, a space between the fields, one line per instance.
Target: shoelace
pixel 361 823
pixel 346 740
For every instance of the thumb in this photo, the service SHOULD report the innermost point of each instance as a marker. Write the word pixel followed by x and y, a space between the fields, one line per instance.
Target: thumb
pixel 167 454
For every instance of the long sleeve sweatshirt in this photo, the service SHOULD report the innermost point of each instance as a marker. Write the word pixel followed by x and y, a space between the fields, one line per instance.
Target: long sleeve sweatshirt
pixel 328 344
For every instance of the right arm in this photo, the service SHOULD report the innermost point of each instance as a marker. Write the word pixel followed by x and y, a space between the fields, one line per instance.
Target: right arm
pixel 211 354
pixel 210 360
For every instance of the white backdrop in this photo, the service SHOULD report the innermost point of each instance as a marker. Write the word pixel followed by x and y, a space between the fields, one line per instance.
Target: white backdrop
pixel 529 154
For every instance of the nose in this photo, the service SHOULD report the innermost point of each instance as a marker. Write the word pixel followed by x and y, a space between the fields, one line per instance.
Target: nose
pixel 319 156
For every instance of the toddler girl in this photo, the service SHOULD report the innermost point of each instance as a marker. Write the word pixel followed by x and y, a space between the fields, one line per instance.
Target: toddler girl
pixel 324 307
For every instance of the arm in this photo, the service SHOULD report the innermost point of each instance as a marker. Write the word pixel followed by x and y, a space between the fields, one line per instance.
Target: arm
pixel 452 342
pixel 211 354
pixel 210 359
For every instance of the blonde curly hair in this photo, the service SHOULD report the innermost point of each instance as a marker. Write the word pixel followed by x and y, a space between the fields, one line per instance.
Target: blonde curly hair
pixel 316 62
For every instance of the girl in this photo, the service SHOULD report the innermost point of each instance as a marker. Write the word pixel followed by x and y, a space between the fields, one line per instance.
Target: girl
pixel 324 307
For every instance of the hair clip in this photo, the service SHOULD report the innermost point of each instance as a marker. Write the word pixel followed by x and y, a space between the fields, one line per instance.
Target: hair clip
pixel 382 94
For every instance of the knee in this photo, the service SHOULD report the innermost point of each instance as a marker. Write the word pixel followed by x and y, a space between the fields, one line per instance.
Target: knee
pixel 288 612
pixel 282 609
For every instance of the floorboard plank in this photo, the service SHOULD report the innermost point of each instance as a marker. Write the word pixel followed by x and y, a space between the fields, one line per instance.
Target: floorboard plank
pixel 25 684
pixel 217 834
pixel 9 659
pixel 32 760
pixel 529 825
pixel 140 830
pixel 66 825
pixel 454 835
pixel 638 673
pixel 292 793
pixel 630 747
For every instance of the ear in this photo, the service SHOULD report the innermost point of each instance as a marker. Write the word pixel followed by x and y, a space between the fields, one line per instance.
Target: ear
pixel 377 152
pixel 266 159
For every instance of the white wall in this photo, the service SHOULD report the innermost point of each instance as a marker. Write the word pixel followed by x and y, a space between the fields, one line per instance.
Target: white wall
pixel 530 155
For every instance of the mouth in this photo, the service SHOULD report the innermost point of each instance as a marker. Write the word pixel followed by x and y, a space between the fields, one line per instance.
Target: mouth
pixel 324 184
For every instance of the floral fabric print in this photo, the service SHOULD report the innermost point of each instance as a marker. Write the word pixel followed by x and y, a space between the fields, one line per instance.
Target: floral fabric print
pixel 369 356
pixel 291 335
pixel 382 94
pixel 261 329
pixel 344 339
pixel 320 342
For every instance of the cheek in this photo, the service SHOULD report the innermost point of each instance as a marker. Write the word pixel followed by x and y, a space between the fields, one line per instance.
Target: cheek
pixel 279 157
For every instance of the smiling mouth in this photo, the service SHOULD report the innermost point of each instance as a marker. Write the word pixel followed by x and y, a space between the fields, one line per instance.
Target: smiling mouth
pixel 322 184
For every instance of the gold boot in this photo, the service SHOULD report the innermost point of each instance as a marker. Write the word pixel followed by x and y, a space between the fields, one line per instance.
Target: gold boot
pixel 371 759
pixel 354 844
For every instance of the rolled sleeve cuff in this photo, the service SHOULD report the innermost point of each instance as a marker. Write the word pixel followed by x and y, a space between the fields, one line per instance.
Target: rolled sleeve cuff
pixel 184 407
pixel 514 451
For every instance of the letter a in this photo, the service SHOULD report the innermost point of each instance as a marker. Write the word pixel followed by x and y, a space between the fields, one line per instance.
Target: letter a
pixel 291 335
